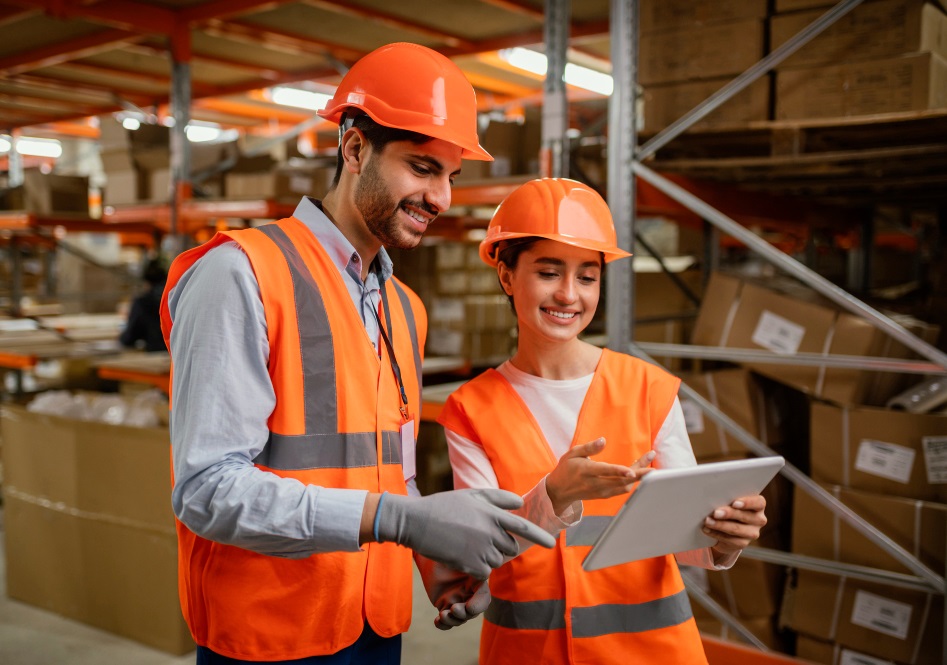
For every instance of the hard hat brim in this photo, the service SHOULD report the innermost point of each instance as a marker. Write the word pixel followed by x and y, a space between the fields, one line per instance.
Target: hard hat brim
pixel 610 252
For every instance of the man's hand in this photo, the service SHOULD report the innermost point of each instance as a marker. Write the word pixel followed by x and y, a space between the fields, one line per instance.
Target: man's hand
pixel 737 525
pixel 577 477
pixel 467 530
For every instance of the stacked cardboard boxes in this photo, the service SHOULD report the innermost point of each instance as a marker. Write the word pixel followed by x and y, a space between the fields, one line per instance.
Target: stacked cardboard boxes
pixel 682 59
pixel 89 529
pixel 884 56
pixel 48 194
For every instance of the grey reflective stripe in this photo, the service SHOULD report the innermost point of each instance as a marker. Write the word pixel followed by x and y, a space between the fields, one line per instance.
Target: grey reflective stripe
pixel 590 621
pixel 528 615
pixel 320 400
pixel 607 619
pixel 587 531
pixel 328 451
pixel 412 329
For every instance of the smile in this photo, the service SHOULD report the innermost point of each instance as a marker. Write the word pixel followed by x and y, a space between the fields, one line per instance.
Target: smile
pixel 560 315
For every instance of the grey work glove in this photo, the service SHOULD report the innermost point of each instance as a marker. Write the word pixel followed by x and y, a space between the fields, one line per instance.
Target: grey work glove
pixel 467 530
pixel 458 596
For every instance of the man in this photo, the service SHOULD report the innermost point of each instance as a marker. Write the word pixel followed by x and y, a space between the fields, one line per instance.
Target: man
pixel 143 326
pixel 296 395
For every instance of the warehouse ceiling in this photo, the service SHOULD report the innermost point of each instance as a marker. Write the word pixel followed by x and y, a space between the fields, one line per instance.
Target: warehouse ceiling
pixel 65 60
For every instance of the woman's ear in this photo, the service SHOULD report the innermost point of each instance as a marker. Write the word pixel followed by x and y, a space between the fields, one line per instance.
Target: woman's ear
pixel 354 147
pixel 505 275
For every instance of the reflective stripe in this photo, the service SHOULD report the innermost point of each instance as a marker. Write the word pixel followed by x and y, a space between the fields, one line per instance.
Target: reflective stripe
pixel 528 615
pixel 590 621
pixel 320 402
pixel 587 531
pixel 412 329
pixel 607 619
pixel 328 451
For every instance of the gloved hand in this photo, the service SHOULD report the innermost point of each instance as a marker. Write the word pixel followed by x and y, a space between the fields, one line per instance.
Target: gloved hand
pixel 458 596
pixel 467 530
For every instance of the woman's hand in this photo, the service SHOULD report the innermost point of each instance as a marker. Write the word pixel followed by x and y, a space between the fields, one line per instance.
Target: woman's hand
pixel 577 477
pixel 737 525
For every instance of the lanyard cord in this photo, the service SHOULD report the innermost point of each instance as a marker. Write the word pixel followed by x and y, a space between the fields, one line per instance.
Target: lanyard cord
pixel 391 349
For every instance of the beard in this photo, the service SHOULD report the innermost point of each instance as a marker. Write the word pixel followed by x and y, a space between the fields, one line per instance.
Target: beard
pixel 380 211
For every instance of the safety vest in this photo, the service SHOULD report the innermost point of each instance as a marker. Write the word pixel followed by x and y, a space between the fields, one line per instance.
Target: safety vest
pixel 545 608
pixel 336 424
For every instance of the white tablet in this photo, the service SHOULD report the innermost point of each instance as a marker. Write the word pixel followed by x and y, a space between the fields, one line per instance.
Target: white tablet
pixel 666 512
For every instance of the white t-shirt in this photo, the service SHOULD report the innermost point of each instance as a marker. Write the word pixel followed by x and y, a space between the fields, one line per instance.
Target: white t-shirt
pixel 555 404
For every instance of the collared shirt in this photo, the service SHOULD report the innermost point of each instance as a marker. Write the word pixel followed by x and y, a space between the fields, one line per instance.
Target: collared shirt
pixel 223 396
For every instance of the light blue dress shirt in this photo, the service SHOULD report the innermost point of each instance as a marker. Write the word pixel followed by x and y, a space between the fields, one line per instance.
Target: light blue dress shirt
pixel 222 398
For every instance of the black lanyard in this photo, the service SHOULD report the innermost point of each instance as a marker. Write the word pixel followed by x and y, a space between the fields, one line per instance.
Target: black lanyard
pixel 391 349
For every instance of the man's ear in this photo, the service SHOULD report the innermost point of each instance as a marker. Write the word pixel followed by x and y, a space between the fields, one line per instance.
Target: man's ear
pixel 354 149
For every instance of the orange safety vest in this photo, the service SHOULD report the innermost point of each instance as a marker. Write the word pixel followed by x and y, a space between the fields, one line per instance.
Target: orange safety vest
pixel 336 424
pixel 545 608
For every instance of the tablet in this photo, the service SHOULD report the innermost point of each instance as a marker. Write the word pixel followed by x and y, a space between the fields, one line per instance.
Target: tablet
pixel 666 511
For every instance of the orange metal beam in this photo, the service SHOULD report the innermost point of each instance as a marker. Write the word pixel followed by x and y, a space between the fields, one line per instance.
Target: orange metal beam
pixel 517 8
pixel 390 20
pixel 219 9
pixel 10 14
pixel 57 54
pixel 124 14
pixel 722 652
pixel 248 110
pixel 197 57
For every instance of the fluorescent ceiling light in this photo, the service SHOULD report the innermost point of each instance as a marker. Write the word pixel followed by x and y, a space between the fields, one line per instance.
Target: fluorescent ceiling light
pixel 131 123
pixel 204 132
pixel 299 98
pixel 33 147
pixel 577 75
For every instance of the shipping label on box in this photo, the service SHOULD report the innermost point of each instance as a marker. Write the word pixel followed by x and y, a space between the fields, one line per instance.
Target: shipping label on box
pixel 935 459
pixel 886 460
pixel 885 615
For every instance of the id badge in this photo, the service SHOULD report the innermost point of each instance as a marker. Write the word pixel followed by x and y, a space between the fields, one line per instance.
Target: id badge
pixel 408 446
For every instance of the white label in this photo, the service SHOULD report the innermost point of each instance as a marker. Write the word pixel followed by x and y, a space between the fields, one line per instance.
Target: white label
pixel 408 445
pixel 881 614
pixel 853 658
pixel 935 458
pixel 777 334
pixel 887 460
pixel 693 416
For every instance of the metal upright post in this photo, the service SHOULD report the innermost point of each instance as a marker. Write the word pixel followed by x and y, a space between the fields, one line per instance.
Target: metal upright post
pixel 555 152
pixel 180 148
pixel 622 143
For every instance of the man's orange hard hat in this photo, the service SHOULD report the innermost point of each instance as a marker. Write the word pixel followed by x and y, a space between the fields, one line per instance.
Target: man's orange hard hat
pixel 409 86
pixel 555 209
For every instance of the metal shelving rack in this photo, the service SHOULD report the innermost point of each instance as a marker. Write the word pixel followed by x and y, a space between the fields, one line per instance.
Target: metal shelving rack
pixel 626 164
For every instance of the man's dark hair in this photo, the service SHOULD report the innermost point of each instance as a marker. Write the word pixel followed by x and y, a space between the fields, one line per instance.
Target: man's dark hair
pixel 378 136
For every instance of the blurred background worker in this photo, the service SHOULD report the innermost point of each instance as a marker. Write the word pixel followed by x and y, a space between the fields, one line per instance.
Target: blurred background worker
pixel 143 327
pixel 296 396
pixel 562 400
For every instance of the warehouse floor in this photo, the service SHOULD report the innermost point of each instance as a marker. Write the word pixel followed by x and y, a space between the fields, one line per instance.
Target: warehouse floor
pixel 30 636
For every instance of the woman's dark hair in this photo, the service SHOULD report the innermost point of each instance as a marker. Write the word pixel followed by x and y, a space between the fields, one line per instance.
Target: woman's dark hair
pixel 508 252
pixel 378 136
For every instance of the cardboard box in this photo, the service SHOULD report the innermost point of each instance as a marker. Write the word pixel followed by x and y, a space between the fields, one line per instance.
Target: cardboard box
pixel 762 627
pixel 735 393
pixel 920 527
pixel 49 193
pixel 285 183
pixel 472 313
pixel 878 450
pixel 907 83
pixel 871 31
pixel 882 621
pixel 830 653
pixel 482 348
pixel 89 529
pixel 663 104
pixel 689 54
pixel 679 14
pixel 741 314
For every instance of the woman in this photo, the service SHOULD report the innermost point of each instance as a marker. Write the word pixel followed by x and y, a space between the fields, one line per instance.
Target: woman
pixel 522 426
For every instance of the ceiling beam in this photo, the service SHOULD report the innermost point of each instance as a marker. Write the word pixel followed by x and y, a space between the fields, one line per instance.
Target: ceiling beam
pixel 123 14
pixel 292 43
pixel 261 73
pixel 92 89
pixel 389 20
pixel 29 102
pixel 56 54
pixel 518 7
pixel 221 9
pixel 10 14
pixel 588 29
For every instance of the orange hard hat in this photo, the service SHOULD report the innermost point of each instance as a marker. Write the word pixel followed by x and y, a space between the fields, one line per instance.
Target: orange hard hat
pixel 555 209
pixel 409 86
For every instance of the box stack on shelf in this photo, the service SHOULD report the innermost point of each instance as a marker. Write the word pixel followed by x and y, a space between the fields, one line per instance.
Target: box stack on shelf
pixel 886 465
pixel 691 49
pixel 884 56
pixel 47 194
